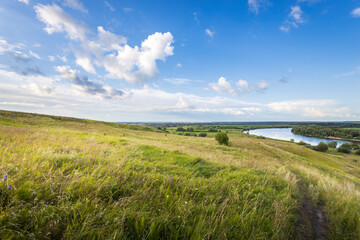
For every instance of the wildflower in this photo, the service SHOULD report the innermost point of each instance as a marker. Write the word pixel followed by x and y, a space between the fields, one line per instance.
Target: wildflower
pixel 97 215
pixel 9 186
pixel 46 205
pixel 5 177
pixel 186 202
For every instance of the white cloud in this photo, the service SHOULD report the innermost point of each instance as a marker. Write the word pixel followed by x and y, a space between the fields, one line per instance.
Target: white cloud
pixel 75 4
pixel 83 59
pixel 178 81
pixel 25 1
pixel 296 14
pixel 295 18
pixel 62 58
pixel 178 65
pixel 209 33
pixel 256 5
pixel 51 58
pixel 243 86
pixel 263 85
pixel 223 86
pixel 356 12
pixel 57 21
pixel 135 65
pixel 111 8
pixel 23 104
pixel 313 109
pixel 35 55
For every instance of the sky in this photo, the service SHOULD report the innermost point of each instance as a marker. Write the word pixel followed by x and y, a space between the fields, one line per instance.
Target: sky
pixel 174 61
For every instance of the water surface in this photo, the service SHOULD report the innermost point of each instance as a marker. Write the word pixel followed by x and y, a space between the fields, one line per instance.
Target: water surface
pixel 286 134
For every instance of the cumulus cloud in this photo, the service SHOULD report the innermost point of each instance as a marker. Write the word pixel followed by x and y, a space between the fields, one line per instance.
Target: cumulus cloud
pixel 87 86
pixel 209 33
pixel 356 12
pixel 75 4
pixel 243 86
pixel 58 21
pixel 223 86
pixel 136 64
pixel 256 5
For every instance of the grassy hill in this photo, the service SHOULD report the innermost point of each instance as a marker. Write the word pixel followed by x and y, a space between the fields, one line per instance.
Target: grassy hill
pixel 67 178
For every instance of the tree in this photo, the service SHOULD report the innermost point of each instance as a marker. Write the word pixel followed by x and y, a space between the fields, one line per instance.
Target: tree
pixel 332 144
pixel 322 147
pixel 222 138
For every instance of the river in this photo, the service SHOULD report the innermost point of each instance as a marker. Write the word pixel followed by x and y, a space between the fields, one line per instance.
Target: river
pixel 286 134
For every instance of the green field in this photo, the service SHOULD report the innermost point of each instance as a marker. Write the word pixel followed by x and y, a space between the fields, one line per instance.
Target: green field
pixel 67 178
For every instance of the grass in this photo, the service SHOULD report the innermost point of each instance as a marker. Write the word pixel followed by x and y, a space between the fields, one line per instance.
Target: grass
pixel 82 179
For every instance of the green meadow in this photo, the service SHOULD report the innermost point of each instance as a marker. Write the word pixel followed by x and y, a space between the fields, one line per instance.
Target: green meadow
pixel 68 178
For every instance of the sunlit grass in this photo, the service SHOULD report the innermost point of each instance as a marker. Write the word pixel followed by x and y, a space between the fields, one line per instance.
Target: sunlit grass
pixel 82 179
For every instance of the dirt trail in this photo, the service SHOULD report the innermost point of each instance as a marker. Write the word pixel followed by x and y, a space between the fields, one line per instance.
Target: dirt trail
pixel 312 222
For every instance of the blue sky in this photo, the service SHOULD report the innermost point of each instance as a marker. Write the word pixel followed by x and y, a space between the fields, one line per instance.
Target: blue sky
pixel 128 60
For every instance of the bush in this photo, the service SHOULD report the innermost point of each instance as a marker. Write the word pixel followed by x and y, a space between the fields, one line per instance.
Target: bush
pixel 354 146
pixel 332 144
pixel 346 146
pixel 302 143
pixel 222 138
pixel 357 152
pixel 202 134
pixel 343 149
pixel 322 147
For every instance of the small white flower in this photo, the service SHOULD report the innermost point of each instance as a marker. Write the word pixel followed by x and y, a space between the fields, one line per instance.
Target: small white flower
pixel 186 202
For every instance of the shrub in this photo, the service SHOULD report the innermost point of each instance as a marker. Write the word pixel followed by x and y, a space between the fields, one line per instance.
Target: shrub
pixel 332 144
pixel 222 138
pixel 354 146
pixel 302 143
pixel 322 147
pixel 343 149
pixel 202 134
pixel 346 146
pixel 357 152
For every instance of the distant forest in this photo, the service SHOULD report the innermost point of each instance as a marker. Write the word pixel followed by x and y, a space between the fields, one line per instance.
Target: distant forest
pixel 319 131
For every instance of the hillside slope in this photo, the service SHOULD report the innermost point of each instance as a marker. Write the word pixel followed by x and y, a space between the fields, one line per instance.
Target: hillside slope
pixel 67 178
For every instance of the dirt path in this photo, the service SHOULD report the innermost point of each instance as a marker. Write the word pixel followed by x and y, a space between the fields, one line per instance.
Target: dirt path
pixel 312 222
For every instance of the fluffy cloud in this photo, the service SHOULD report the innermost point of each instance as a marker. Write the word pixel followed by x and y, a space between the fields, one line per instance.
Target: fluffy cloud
pixel 223 86
pixel 87 86
pixel 136 64
pixel 243 86
pixel 209 33
pixel 75 4
pixel 57 21
pixel 356 12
